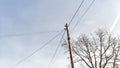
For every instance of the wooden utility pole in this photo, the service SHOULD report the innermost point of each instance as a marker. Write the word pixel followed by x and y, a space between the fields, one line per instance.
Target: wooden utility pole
pixel 70 47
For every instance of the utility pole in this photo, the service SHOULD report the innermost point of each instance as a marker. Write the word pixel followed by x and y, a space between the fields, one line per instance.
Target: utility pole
pixel 70 47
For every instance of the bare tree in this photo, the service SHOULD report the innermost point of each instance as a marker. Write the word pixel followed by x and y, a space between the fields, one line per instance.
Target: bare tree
pixel 101 50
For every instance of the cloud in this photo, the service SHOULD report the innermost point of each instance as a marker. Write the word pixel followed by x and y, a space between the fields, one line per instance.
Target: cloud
pixel 27 16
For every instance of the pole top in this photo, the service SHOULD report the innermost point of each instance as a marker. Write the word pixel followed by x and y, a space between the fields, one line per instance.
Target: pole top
pixel 66 25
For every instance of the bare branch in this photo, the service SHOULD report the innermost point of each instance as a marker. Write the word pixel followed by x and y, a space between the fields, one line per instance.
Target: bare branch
pixel 98 51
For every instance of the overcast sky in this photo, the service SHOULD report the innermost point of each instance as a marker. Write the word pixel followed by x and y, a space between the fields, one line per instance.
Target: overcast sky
pixel 48 16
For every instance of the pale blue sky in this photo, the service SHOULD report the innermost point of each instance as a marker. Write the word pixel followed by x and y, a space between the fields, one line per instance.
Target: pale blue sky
pixel 28 16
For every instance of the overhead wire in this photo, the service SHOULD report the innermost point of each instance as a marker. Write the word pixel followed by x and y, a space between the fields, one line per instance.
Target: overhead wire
pixel 56 50
pixel 83 14
pixel 41 32
pixel 55 58
pixel 68 25
pixel 45 43
pixel 36 50
pixel 26 34
pixel 76 12
pixel 64 31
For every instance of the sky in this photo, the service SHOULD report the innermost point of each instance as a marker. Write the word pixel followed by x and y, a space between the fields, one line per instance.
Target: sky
pixel 22 20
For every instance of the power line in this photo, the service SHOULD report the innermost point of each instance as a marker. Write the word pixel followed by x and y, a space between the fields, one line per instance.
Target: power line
pixel 64 33
pixel 36 51
pixel 55 58
pixel 56 51
pixel 83 14
pixel 45 43
pixel 26 34
pixel 76 12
